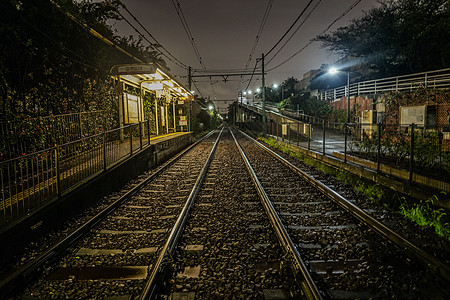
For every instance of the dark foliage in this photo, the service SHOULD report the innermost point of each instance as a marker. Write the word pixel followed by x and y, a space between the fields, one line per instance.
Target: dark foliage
pixel 51 65
pixel 398 37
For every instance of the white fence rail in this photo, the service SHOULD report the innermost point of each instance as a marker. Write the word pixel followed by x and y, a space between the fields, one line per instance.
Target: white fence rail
pixel 439 79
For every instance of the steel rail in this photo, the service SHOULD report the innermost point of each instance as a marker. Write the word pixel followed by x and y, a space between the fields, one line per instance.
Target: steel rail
pixel 307 284
pixel 10 282
pixel 431 262
pixel 158 269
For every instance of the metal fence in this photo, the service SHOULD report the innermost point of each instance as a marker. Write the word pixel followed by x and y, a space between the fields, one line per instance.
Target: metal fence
pixel 31 180
pixel 439 79
pixel 414 153
pixel 34 134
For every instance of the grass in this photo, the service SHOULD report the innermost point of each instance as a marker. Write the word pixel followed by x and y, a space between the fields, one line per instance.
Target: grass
pixel 424 213
pixel 372 191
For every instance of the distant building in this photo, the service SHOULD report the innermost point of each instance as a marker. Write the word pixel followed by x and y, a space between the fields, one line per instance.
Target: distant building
pixel 306 81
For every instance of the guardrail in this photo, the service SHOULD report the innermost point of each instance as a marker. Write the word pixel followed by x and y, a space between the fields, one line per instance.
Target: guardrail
pixel 439 79
pixel 31 180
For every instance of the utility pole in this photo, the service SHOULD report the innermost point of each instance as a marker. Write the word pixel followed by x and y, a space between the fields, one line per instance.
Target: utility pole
pixel 190 101
pixel 263 92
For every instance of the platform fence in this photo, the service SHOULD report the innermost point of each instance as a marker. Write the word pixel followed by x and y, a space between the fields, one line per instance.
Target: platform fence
pixel 32 134
pixel 31 180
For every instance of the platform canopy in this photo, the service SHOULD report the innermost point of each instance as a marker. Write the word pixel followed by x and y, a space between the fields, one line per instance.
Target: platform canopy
pixel 151 77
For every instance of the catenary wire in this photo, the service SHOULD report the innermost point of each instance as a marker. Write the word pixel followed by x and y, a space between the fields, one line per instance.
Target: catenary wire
pixel 177 6
pixel 258 35
pixel 296 30
pixel 289 29
pixel 311 41
pixel 169 55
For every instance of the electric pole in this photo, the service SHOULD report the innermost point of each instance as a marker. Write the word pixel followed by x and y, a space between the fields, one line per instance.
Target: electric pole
pixel 263 91
pixel 190 101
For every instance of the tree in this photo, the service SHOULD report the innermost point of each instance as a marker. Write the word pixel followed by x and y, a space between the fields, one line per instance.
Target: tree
pixel 400 36
pixel 50 65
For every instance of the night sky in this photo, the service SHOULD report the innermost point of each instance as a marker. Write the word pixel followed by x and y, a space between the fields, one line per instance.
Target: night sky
pixel 225 31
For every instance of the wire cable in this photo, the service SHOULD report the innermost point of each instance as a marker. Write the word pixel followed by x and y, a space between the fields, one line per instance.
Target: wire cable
pixel 169 55
pixel 289 29
pixel 177 6
pixel 258 35
pixel 324 31
pixel 256 63
pixel 296 30
pixel 198 90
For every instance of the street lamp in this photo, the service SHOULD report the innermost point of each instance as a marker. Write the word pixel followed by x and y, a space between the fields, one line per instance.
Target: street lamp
pixel 334 71
pixel 275 85
pixel 347 94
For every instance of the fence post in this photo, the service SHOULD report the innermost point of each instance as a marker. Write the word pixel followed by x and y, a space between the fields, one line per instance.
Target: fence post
pixel 278 129
pixel 378 147
pixel 298 132
pixel 104 150
pixel 411 156
pixel 131 140
pixel 140 134
pixel 345 142
pixel 58 173
pixel 80 124
pixel 309 136
pixel 323 146
pixel 289 133
pixel 148 131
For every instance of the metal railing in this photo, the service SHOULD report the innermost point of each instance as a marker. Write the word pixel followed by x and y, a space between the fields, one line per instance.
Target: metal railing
pixel 422 157
pixel 34 134
pixel 439 79
pixel 31 180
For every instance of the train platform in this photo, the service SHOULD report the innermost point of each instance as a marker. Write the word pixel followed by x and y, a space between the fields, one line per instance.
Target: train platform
pixel 34 181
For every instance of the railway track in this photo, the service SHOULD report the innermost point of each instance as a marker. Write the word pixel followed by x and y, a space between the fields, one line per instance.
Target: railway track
pixel 349 253
pixel 228 220
pixel 111 254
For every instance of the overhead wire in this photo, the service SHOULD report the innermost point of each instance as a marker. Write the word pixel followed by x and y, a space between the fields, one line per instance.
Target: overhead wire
pixel 177 6
pixel 289 29
pixel 253 73
pixel 258 35
pixel 198 90
pixel 188 31
pixel 350 8
pixel 296 30
pixel 169 55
